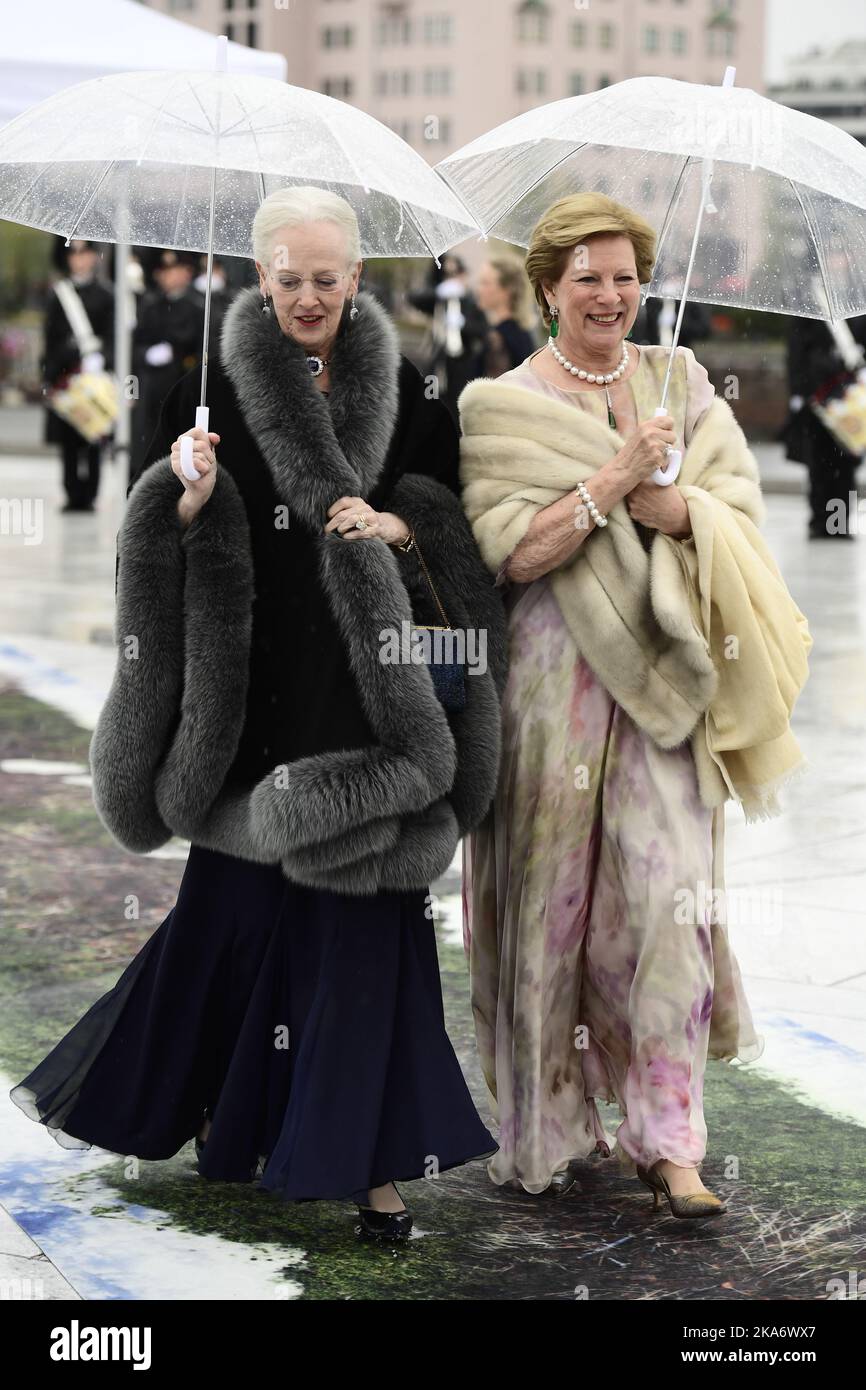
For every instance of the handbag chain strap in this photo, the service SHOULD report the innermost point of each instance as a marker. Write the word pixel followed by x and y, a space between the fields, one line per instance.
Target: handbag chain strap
pixel 415 546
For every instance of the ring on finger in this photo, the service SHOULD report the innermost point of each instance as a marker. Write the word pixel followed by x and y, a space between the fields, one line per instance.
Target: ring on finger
pixel 360 523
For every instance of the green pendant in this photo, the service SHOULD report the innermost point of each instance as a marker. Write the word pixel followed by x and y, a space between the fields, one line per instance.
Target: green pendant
pixel 554 326
pixel 611 418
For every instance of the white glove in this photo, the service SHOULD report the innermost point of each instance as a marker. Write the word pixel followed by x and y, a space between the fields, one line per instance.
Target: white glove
pixel 450 289
pixel 159 354
pixel 93 362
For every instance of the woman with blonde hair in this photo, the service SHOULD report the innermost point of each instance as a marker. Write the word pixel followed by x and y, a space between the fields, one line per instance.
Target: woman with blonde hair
pixel 655 657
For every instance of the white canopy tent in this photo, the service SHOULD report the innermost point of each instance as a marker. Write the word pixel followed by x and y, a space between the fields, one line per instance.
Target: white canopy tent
pixel 56 44
pixel 59 44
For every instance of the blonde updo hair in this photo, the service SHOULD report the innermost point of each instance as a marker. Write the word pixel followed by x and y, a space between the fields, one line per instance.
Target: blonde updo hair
pixel 573 220
pixel 512 277
pixel 291 207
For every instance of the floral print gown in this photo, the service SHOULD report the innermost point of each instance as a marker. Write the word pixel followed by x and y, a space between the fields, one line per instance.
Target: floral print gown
pixel 591 977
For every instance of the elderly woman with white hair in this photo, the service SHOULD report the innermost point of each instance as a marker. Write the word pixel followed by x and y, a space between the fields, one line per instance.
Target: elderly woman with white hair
pixel 288 1011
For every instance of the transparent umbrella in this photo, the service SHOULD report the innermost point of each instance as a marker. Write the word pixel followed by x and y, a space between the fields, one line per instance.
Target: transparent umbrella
pixel 183 160
pixel 755 205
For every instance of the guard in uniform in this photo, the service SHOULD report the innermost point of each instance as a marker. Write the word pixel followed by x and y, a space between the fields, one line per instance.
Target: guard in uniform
pixel 166 344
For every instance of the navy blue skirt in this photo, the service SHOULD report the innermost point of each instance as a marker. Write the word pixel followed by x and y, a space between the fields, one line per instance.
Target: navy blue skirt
pixel 307 1024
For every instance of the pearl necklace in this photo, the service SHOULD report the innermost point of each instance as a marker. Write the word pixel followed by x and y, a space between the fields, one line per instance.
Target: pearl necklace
pixel 597 378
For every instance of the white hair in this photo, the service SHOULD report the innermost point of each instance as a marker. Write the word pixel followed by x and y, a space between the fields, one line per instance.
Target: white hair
pixel 291 207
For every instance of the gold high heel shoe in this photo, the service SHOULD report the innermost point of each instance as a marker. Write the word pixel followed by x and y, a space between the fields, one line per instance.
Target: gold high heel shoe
pixel 687 1205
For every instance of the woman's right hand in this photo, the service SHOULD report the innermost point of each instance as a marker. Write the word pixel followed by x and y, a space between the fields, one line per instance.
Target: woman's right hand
pixel 644 450
pixel 196 490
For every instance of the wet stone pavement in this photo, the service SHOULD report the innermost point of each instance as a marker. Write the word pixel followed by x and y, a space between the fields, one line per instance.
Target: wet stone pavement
pixel 115 1227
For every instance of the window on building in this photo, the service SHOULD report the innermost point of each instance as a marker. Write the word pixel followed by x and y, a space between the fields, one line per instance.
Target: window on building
pixel 578 33
pixel 533 21
pixel 438 28
pixel 651 38
pixel 603 81
pixel 392 29
pixel 437 82
pixel 337 36
pixel 606 36
pixel 721 41
pixel 576 86
pixel 342 87
pixel 679 40
pixel 252 34
pixel 531 80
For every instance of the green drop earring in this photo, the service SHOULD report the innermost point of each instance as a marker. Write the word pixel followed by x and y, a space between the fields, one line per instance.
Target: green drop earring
pixel 554 321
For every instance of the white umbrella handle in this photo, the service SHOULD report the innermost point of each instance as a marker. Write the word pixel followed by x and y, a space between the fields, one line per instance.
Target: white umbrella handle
pixel 187 468
pixel 674 463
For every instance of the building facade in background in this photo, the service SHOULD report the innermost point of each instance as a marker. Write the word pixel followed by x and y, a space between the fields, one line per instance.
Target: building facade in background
pixel 829 83
pixel 440 74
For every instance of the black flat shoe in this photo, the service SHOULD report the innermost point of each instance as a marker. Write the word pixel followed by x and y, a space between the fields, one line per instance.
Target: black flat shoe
pixel 385 1225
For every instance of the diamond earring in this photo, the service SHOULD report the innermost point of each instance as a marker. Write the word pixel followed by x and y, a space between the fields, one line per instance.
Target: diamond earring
pixel 266 305
pixel 354 311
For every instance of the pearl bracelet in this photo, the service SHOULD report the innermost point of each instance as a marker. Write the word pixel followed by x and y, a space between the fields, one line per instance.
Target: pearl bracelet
pixel 584 495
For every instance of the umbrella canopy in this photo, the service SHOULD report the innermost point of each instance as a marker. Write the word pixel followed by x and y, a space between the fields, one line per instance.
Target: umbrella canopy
pixel 130 158
pixel 786 217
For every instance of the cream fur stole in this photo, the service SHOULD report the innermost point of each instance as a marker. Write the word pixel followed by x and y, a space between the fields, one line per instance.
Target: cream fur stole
pixel 698 639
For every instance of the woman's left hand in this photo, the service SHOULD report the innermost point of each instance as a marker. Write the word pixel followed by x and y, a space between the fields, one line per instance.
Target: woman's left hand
pixel 385 526
pixel 663 508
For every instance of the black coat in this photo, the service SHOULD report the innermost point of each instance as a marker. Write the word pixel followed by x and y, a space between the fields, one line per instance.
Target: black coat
pixel 506 345
pixel 302 698
pixel 261 644
pixel 61 355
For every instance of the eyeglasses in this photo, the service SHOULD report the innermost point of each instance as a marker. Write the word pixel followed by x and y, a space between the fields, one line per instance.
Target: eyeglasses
pixel 322 284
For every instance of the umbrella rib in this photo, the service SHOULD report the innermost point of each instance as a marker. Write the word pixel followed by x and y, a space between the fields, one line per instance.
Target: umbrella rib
pixel 43 170
pixel 178 120
pixel 156 115
pixel 534 184
pixel 180 201
pixel 230 129
pixel 363 184
pixel 669 213
pixel 201 107
pixel 818 252
pixel 249 115
pixel 100 181
pixel 419 229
